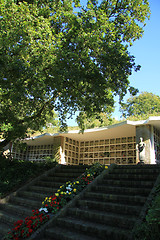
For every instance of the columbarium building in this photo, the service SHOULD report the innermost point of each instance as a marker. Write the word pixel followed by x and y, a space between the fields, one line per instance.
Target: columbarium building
pixel 117 143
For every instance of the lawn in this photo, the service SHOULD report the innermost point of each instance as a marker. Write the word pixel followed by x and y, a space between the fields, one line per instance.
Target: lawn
pixel 13 174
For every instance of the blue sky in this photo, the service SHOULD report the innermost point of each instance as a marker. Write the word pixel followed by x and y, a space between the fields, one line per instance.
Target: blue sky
pixel 147 53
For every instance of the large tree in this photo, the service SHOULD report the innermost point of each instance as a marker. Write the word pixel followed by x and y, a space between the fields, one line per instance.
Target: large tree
pixel 57 54
pixel 142 106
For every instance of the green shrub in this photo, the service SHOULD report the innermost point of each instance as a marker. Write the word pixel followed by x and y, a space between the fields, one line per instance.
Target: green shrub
pixel 150 228
pixel 14 173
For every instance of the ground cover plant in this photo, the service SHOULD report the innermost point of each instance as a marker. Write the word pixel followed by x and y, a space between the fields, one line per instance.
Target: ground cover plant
pixel 150 228
pixel 52 204
pixel 23 170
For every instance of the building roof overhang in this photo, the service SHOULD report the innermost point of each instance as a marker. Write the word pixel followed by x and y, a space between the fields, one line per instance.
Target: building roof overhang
pixel 122 129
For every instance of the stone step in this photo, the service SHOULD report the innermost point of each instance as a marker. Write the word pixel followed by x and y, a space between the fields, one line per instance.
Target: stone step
pixel 101 231
pixel 8 218
pixel 48 184
pixel 138 166
pixel 66 175
pixel 109 206
pixel 128 199
pixel 74 167
pixel 4 229
pixel 21 205
pixel 137 177
pixel 16 210
pixel 58 179
pixel 110 209
pixel 125 183
pixel 120 190
pixel 43 190
pixel 32 195
pixel 56 233
pixel 71 170
pixel 31 204
pixel 110 219
pixel 137 171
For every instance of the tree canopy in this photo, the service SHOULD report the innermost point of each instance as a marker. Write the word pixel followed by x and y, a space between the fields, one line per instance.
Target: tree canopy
pixel 58 55
pixel 142 106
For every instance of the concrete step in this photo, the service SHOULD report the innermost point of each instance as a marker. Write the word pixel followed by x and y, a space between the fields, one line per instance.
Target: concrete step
pixel 46 183
pixel 67 234
pixel 137 177
pixel 44 190
pixel 31 204
pixel 71 170
pixel 31 195
pixel 128 199
pixel 110 219
pixel 125 183
pixel 119 208
pixel 8 217
pixel 24 201
pixel 120 190
pixel 62 175
pixel 58 179
pixel 75 167
pixel 93 229
pixel 4 229
pixel 109 209
pixel 138 166
pixel 136 170
pixel 16 210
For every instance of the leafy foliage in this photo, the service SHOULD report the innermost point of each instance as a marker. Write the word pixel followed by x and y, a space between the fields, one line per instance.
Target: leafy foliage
pixel 23 171
pixel 150 228
pixel 98 121
pixel 142 106
pixel 62 56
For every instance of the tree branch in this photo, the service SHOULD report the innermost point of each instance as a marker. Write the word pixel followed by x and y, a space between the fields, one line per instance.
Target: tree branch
pixel 115 9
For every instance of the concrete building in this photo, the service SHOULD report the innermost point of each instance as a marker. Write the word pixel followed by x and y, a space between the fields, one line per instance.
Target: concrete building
pixel 117 143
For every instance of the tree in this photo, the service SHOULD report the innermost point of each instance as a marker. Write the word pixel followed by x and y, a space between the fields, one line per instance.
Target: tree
pixel 60 55
pixel 142 106
pixel 101 120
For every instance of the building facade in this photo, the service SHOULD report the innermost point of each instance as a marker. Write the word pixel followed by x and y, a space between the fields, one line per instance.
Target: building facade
pixel 117 143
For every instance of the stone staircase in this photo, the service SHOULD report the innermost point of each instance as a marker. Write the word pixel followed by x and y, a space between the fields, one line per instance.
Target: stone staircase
pixel 109 209
pixel 21 203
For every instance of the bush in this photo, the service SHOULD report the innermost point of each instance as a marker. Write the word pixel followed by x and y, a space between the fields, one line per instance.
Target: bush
pixel 23 170
pixel 150 228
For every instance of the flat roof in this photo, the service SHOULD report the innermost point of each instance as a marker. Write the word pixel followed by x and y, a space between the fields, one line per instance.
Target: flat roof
pixel 123 129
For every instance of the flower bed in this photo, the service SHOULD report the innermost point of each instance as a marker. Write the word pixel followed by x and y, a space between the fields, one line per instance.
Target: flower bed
pixel 53 204
pixel 23 229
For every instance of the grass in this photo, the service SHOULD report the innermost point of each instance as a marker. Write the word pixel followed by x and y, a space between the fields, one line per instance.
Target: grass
pixel 14 174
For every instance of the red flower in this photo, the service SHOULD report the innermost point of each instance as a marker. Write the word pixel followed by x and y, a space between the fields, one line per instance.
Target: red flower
pixel 19 222
pixel 16 228
pixel 16 238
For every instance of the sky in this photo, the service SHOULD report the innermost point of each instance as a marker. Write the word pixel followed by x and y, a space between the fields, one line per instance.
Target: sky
pixel 147 54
